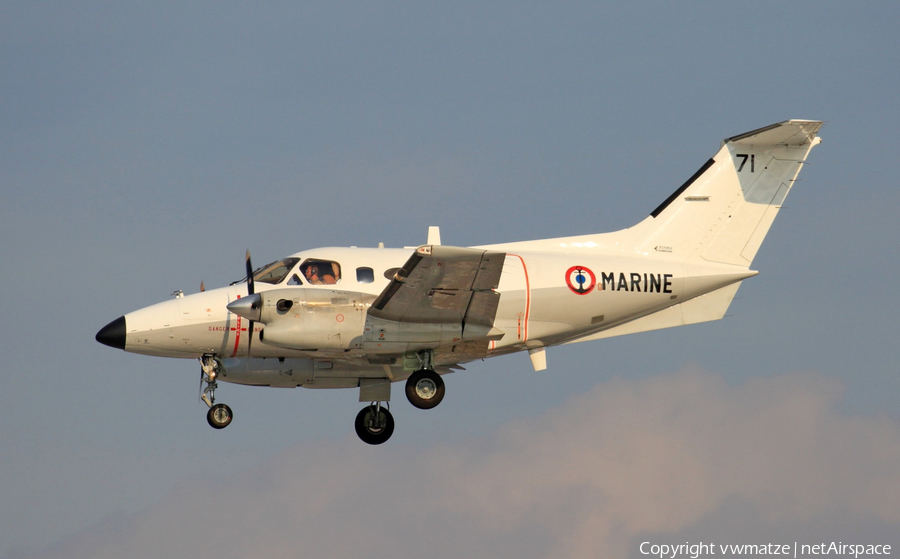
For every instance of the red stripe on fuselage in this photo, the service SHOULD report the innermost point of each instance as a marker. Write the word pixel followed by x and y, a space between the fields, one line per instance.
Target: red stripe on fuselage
pixel 527 295
pixel 237 334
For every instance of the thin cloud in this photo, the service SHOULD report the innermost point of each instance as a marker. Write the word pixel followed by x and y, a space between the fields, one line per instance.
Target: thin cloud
pixel 585 479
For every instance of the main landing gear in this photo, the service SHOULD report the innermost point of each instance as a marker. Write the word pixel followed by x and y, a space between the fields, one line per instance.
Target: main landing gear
pixel 374 424
pixel 219 416
pixel 424 388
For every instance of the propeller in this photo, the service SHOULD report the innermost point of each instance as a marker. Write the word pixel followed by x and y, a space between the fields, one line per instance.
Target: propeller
pixel 249 307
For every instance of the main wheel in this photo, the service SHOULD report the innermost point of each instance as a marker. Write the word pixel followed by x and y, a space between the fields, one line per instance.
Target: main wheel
pixel 219 416
pixel 425 389
pixel 373 425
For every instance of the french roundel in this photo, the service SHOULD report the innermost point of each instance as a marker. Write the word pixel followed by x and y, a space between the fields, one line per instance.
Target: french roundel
pixel 580 280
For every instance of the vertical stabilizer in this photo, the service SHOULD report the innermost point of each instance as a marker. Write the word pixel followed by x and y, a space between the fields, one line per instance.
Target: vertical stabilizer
pixel 723 212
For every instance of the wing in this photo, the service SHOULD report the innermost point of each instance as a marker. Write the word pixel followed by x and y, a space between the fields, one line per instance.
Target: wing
pixel 444 284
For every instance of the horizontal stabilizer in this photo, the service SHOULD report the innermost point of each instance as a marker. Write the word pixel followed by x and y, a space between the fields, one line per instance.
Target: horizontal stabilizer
pixel 711 306
pixel 789 133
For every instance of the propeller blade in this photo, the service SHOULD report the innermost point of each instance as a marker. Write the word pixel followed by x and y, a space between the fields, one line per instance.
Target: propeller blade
pixel 202 287
pixel 250 290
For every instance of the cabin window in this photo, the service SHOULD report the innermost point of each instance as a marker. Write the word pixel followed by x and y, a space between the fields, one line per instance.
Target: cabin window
pixel 321 272
pixel 295 280
pixel 276 271
pixel 365 275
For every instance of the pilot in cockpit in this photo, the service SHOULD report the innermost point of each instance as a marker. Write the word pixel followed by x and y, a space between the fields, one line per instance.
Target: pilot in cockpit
pixel 321 273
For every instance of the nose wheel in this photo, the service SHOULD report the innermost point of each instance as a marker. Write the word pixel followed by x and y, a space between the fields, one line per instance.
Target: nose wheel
pixel 374 424
pixel 219 416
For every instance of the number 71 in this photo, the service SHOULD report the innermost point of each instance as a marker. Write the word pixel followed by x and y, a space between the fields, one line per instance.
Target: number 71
pixel 744 161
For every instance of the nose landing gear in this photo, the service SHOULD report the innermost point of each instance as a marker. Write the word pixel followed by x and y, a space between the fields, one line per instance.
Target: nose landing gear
pixel 219 416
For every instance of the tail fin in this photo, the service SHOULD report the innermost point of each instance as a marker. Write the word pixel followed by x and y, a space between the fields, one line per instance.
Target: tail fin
pixel 723 212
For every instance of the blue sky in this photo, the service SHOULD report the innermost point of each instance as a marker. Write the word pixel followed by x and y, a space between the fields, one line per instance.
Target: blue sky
pixel 144 148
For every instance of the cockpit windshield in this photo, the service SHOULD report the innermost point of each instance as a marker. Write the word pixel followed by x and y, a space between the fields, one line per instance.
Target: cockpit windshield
pixel 276 271
pixel 273 273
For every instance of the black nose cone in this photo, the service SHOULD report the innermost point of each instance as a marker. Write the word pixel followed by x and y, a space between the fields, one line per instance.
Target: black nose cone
pixel 113 334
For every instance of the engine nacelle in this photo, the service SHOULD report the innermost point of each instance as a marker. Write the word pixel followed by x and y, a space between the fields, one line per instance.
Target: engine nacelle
pixel 309 319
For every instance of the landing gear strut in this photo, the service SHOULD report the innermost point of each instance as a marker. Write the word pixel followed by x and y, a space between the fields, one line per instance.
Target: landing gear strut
pixel 374 424
pixel 425 388
pixel 219 415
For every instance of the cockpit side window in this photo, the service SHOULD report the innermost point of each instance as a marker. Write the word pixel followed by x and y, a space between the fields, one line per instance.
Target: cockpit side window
pixel 276 271
pixel 321 272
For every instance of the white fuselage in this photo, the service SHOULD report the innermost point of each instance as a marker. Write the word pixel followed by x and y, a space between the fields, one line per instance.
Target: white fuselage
pixel 537 307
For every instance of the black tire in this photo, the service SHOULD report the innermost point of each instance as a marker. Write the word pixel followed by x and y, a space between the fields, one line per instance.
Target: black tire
pixel 425 389
pixel 219 416
pixel 373 432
